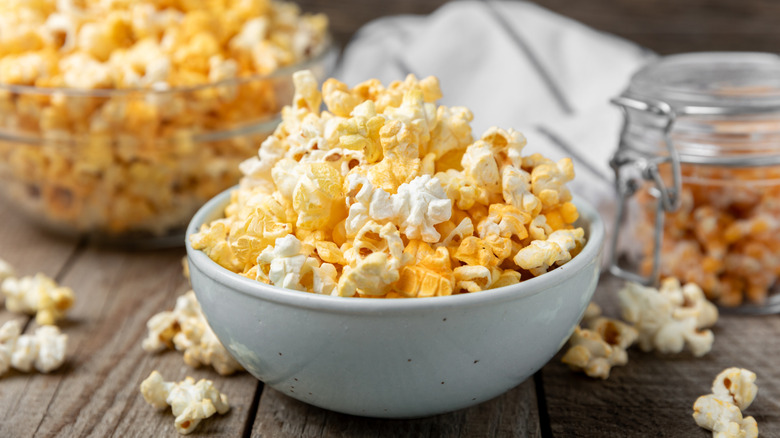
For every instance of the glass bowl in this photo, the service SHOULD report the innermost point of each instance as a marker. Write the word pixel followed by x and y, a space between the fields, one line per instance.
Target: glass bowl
pixel 131 166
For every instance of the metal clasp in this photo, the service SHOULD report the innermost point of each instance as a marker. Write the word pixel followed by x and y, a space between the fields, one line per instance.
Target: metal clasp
pixel 668 197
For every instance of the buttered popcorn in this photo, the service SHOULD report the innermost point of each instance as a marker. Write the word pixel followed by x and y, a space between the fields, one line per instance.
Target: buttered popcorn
pixel 129 115
pixel 386 194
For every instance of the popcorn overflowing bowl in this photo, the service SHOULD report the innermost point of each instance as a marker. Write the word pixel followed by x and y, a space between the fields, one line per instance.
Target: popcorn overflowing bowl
pixel 395 358
pixel 376 259
pixel 120 119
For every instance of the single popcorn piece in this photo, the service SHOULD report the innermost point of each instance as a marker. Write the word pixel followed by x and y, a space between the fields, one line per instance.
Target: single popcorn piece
pixel 595 351
pixel 540 255
pixel 733 390
pixel 386 194
pixel 737 384
pixel 190 402
pixel 186 329
pixel 44 350
pixel 38 295
pixel 669 318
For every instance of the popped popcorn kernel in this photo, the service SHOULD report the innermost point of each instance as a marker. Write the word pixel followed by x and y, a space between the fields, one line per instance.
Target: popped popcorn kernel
pixel 386 194
pixel 595 351
pixel 44 350
pixel 185 329
pixel 190 402
pixel 669 318
pixel 721 411
pixel 38 295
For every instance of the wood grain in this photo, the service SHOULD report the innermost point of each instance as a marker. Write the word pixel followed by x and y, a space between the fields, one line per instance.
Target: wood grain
pixel 96 392
pixel 665 26
pixel 654 394
pixel 513 414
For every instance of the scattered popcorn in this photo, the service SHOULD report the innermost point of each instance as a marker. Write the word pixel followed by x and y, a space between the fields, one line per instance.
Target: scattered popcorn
pixel 671 317
pixel 597 349
pixel 387 194
pixel 44 350
pixel 185 328
pixel 721 411
pixel 38 295
pixel 190 402
pixel 162 108
pixel 6 270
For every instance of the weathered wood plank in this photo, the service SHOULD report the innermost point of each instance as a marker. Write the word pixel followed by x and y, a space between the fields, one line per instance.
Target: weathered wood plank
pixel 96 393
pixel 513 414
pixel 654 394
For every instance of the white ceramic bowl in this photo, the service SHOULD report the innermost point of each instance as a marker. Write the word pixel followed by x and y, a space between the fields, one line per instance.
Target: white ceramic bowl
pixel 396 358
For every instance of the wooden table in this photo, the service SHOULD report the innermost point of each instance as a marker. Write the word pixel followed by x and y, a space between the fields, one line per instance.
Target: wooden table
pixel 96 392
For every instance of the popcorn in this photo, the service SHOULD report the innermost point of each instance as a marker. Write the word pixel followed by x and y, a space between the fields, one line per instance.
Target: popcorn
pixel 538 256
pixel 45 350
pixel 737 384
pixel 386 194
pixel 723 237
pixel 190 402
pixel 721 411
pixel 39 295
pixel 185 328
pixel 671 317
pixel 601 346
pixel 144 159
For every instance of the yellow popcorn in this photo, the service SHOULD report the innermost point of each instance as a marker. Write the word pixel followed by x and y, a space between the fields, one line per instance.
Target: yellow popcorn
pixel 386 194
pixel 540 255
pixel 39 295
pixel 150 79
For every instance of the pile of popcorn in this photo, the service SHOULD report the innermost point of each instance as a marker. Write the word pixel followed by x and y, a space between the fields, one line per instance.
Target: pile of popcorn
pixel 724 236
pixel 386 194
pixel 142 109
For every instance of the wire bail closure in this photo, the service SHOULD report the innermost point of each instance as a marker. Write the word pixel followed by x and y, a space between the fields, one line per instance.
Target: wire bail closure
pixel 668 198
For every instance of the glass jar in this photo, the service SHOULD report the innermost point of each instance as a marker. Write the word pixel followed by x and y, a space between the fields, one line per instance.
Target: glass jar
pixel 698 177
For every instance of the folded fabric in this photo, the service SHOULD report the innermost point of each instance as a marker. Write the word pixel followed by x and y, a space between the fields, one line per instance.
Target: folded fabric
pixel 515 65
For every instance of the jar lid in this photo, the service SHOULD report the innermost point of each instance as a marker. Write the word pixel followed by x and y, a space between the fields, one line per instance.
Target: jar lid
pixel 712 82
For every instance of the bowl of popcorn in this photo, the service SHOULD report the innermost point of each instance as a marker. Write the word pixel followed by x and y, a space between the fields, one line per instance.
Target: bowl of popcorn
pixel 120 119
pixel 377 260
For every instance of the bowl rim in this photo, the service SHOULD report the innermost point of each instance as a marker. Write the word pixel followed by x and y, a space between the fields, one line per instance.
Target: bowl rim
pixel 327 50
pixel 594 228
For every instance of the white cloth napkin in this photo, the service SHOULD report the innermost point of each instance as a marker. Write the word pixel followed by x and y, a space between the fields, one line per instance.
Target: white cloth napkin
pixel 515 65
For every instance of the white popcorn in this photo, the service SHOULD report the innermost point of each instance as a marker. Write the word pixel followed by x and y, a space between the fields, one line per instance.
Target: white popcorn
pixel 186 329
pixel 540 255
pixel 416 207
pixel 285 265
pixel 252 32
pixel 480 167
pixel 82 71
pixel 516 184
pixel 419 205
pixel 39 295
pixel 669 318
pixel 723 418
pixel 596 350
pixel 44 350
pixel 190 402
pixel 736 384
